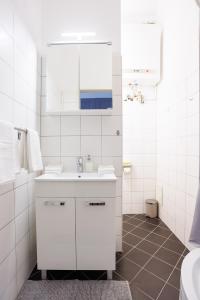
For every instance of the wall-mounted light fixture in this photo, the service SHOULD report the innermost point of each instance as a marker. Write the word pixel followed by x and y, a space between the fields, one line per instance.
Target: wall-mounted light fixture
pixel 78 35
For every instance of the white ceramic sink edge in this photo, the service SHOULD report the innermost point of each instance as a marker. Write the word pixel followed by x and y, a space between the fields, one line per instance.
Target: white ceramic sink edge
pixel 76 177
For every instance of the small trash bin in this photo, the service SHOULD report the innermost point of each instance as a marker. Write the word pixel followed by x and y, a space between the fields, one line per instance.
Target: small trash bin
pixel 151 208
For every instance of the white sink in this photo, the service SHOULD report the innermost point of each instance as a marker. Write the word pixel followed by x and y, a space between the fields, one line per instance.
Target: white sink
pixel 76 177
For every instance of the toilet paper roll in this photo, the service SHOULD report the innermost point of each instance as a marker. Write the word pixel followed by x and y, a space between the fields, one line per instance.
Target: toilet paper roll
pixel 127 170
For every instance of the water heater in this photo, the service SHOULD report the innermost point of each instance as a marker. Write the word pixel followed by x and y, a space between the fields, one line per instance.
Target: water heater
pixel 141 52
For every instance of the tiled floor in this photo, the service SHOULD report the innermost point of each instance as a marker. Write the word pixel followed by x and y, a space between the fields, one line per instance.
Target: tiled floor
pixel 151 261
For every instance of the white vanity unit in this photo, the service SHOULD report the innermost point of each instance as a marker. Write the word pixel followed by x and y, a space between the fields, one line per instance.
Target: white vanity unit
pixel 75 217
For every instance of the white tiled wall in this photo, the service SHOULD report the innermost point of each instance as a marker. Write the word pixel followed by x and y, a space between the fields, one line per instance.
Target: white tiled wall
pixel 18 104
pixel 64 137
pixel 139 147
pixel 178 116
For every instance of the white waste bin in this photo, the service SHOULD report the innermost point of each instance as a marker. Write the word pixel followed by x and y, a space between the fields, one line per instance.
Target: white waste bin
pixel 151 208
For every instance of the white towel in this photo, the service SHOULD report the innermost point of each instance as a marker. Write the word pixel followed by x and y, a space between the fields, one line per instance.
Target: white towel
pixel 20 152
pixel 7 152
pixel 109 169
pixel 33 151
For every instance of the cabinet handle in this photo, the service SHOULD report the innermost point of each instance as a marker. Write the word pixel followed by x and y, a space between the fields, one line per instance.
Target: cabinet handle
pixel 54 203
pixel 97 203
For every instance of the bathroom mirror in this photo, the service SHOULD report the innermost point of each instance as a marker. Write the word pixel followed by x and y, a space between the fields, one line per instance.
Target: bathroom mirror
pixel 79 77
pixel 62 78
pixel 95 77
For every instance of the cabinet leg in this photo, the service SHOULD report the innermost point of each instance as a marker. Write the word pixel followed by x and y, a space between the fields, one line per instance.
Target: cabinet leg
pixel 109 274
pixel 44 274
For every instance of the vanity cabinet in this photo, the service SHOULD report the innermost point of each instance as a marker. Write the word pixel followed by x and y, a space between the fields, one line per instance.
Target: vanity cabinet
pixel 95 234
pixel 75 232
pixel 56 233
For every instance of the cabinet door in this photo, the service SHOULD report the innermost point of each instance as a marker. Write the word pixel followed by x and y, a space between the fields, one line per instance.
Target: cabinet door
pixel 55 218
pixel 95 233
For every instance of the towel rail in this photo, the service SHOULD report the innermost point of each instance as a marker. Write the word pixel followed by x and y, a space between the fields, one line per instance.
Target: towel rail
pixel 21 129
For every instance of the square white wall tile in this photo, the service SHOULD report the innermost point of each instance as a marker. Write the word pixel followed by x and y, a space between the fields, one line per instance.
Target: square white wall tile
pixel 116 64
pixel 6 112
pixel 7 206
pixel 21 199
pixel 70 125
pixel 111 124
pixel 50 146
pixel 50 160
pixel 21 223
pixel 91 145
pixel 7 239
pixel 69 164
pixel 115 161
pixel 117 85
pixel 137 185
pixel 117 105
pixel 7 273
pixel 111 146
pixel 50 126
pixel 90 125
pixel 70 145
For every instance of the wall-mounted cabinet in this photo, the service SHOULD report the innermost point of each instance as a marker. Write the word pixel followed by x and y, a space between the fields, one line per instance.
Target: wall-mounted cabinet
pixel 79 78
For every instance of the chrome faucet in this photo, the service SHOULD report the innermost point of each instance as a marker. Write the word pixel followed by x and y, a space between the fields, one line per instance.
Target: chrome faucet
pixel 79 164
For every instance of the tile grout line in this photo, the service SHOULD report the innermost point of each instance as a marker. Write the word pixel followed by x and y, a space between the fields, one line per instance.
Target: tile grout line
pixel 149 260
pixel 166 282
pixel 136 245
pixel 130 232
pixel 143 268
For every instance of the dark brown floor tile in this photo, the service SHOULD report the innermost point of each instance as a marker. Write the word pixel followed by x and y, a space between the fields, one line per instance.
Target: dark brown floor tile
pixel 148 283
pixel 175 278
pixel 117 277
pixel 140 232
pixel 128 227
pixel 163 225
pixel 180 262
pixel 168 256
pixel 127 269
pixel 131 239
pixel 125 247
pixel 60 275
pixel 162 231
pixel 127 217
pixel 154 238
pixel 141 217
pixel 94 275
pixel 159 268
pixel 154 221
pixel 169 293
pixel 124 232
pixel 186 251
pixel 138 294
pixel 134 221
pixel 147 226
pixel 35 275
pixel 148 247
pixel 173 237
pixel 138 257
pixel 175 246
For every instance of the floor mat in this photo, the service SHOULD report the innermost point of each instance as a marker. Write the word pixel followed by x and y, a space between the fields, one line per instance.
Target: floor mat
pixel 75 290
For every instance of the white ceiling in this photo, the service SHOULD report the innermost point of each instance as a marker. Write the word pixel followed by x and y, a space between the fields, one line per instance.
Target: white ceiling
pixel 137 10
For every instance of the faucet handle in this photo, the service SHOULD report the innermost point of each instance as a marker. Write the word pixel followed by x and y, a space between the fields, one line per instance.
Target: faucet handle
pixel 79 159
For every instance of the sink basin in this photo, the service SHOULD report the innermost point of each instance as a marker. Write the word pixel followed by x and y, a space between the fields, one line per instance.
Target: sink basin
pixel 76 177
